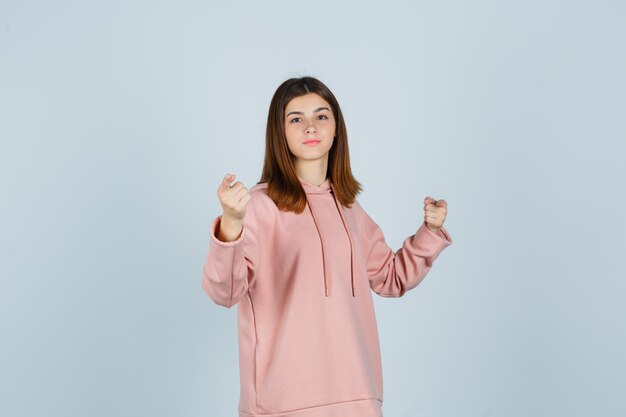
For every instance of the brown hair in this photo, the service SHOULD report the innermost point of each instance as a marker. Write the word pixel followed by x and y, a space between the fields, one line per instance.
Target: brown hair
pixel 283 185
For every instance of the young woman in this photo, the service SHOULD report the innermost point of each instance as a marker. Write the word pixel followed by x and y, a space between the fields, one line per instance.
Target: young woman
pixel 300 257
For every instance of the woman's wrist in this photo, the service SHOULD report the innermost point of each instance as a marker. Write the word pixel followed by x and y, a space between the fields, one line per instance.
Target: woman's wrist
pixel 229 229
pixel 432 229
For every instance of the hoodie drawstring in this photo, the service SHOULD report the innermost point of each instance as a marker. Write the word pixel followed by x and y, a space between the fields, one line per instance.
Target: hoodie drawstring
pixel 345 225
pixel 327 284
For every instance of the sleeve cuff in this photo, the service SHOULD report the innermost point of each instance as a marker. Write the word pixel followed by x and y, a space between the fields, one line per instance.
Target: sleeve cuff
pixel 216 241
pixel 442 234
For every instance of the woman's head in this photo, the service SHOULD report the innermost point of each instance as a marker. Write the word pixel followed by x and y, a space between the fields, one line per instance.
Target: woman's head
pixel 309 126
pixel 285 136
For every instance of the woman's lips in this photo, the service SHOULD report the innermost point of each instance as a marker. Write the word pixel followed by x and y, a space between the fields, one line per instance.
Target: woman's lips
pixel 312 142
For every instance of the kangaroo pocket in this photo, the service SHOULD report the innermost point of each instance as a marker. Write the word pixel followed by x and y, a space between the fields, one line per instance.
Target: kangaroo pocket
pixel 314 361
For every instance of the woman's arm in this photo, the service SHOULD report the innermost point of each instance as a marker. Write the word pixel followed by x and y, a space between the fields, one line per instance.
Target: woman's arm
pixel 392 274
pixel 230 267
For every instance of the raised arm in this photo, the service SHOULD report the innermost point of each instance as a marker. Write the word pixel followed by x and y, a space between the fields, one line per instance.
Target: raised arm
pixel 230 267
pixel 392 274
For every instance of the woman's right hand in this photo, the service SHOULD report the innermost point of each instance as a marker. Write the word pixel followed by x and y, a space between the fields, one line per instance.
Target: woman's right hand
pixel 233 199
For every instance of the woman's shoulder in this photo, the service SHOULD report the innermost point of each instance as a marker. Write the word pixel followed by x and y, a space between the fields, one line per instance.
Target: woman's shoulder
pixel 359 211
pixel 259 196
pixel 259 191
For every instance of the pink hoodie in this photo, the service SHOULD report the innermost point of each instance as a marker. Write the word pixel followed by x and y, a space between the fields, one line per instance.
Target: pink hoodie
pixel 308 340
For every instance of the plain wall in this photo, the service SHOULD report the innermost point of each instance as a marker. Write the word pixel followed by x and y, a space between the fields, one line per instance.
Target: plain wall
pixel 119 119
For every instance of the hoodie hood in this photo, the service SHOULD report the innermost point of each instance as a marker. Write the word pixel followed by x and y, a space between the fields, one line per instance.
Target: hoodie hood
pixel 319 191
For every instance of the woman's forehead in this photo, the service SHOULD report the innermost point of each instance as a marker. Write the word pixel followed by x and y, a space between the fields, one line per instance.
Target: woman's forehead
pixel 307 102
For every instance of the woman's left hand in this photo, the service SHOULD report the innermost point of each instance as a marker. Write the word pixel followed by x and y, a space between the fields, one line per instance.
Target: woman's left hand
pixel 435 212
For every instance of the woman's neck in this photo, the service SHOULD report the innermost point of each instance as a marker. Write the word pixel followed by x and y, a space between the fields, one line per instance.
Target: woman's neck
pixel 312 172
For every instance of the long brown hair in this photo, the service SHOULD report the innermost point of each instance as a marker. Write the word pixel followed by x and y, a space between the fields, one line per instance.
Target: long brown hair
pixel 283 185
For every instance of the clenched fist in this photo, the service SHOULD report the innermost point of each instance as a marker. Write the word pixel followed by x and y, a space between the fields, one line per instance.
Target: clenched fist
pixel 234 199
pixel 435 212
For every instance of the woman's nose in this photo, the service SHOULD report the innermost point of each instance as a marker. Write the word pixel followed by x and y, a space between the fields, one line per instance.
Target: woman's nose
pixel 311 128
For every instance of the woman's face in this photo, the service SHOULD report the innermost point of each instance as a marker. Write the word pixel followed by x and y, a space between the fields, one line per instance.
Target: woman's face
pixel 309 127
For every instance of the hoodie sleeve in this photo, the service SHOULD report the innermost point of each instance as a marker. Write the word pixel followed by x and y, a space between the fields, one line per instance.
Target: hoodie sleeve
pixel 393 274
pixel 230 267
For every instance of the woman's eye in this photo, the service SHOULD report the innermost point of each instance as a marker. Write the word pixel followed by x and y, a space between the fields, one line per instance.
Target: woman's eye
pixel 296 119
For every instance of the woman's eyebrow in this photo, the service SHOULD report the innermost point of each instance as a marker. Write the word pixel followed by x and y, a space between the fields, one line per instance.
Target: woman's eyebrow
pixel 314 111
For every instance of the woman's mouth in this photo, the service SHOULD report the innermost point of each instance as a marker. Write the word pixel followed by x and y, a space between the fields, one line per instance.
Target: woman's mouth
pixel 312 142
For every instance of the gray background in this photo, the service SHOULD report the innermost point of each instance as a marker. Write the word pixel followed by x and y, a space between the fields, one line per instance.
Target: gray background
pixel 119 119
